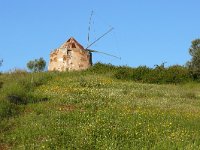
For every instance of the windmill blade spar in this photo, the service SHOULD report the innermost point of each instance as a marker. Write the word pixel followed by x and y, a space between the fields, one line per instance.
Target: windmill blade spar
pixel 100 37
pixel 90 50
pixel 89 27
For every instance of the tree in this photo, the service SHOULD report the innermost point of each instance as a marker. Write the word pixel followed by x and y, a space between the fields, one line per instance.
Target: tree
pixel 1 62
pixel 194 63
pixel 36 65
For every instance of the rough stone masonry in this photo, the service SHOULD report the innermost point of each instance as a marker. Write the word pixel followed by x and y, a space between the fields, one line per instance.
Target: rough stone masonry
pixel 70 56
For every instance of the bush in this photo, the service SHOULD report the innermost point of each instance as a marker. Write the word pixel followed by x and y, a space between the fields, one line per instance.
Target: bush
pixel 177 74
pixel 124 73
pixel 160 74
pixel 141 73
pixel 102 68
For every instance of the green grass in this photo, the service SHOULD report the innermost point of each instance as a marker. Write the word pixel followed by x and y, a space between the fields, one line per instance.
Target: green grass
pixel 88 110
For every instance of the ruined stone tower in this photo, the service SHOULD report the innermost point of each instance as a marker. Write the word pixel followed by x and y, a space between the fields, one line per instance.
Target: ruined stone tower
pixel 70 56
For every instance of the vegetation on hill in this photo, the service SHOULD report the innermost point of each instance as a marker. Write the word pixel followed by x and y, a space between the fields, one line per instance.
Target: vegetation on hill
pixel 160 74
pixel 105 107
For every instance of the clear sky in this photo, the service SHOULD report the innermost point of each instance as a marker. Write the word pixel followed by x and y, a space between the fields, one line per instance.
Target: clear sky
pixel 146 32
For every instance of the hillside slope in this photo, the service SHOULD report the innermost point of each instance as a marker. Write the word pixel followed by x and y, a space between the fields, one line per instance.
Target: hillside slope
pixel 84 110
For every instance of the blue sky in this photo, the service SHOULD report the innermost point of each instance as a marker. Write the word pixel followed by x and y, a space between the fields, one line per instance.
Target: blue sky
pixel 146 32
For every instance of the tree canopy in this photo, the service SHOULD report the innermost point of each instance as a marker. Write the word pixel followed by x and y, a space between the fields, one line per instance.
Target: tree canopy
pixel 194 63
pixel 1 62
pixel 36 65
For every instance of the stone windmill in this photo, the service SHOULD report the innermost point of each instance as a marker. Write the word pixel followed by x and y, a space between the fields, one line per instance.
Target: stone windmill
pixel 73 56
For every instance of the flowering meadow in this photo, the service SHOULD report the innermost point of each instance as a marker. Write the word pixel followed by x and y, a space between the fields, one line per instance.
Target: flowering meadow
pixel 87 110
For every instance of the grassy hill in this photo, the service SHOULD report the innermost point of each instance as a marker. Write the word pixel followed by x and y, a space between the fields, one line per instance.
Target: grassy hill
pixel 94 110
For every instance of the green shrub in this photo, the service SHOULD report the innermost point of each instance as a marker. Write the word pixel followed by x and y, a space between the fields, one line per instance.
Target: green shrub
pixel 140 73
pixel 160 74
pixel 124 73
pixel 102 68
pixel 177 74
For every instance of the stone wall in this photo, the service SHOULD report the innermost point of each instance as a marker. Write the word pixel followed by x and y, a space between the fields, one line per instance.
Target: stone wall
pixel 70 56
pixel 73 59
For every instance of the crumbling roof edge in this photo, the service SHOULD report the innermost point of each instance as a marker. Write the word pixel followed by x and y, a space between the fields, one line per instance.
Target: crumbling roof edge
pixel 71 40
